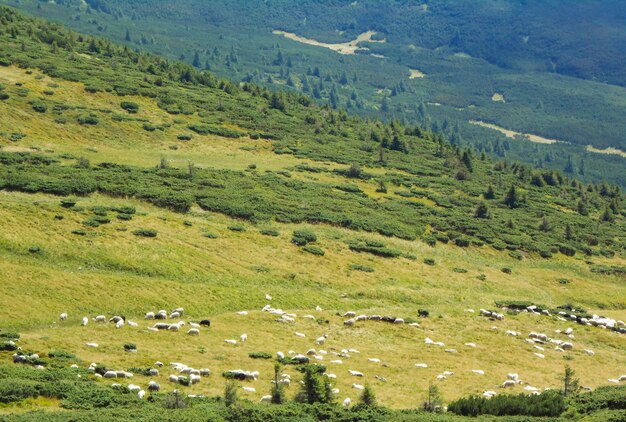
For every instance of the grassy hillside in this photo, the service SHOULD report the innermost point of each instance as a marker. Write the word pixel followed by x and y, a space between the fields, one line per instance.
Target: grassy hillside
pixel 461 80
pixel 93 161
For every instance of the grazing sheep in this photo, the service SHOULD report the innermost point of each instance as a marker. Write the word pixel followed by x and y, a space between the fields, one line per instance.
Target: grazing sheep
pixel 531 388
pixel 350 314
pixel 421 365
pixel 242 313
pixel 119 324
pixel 513 377
pixel 193 332
pixel 63 316
pixel 180 311
pixel 85 321
pixel 194 378
pixel 470 344
pixel 375 317
pixel 173 378
pixel 357 387
pixel 91 344
pixel 132 324
pixel 320 340
pixel 100 318
pixel 478 371
pixel 301 359
pixel 133 387
pixel 154 386
pixel 154 372
pixel 243 338
pixel 613 381
pixel 205 372
pixel 374 360
pixel 266 399
pixel 567 346
pixel 318 308
pixel 205 323
pixel 539 355
pixel 349 322
pixel 150 315
pixel 174 315
pixel 355 373
pixel 398 321
pixel 337 362
pixel 233 342
pixel 508 383
pixel 116 318
pixel 173 327
pixel 161 326
pixel 450 350
pixel 280 355
pixel 441 377
pixel 249 389
pixel 110 374
pixel 299 334
pixel 590 352
pixel 346 402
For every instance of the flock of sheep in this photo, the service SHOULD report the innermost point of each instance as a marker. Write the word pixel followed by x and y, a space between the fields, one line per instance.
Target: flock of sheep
pixel 186 375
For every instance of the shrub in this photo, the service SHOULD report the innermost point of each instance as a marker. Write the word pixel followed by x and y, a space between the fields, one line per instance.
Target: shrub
pixel 145 233
pixel 516 255
pixel 130 107
pixel 130 346
pixel 88 119
pixel 462 241
pixel 4 96
pixel 429 261
pixel 125 217
pixel 8 346
pixel 15 389
pixel 368 247
pixel 365 269
pixel 11 336
pixel 549 403
pixel 567 250
pixel 61 354
pixel 315 250
pixel 459 270
pixel 68 203
pixel 149 127
pixel 260 355
pixel 210 235
pixel 79 232
pixel 39 106
pixel 430 240
pixel 507 270
pixel 237 228
pixel 184 137
pixel 34 249
pixel 303 237
pixel 270 232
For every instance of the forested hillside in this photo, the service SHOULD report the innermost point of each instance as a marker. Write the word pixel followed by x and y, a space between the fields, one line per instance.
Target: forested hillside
pixel 444 65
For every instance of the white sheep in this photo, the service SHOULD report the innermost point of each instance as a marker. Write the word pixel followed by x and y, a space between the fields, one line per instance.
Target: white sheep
pixel 63 316
pixel 421 365
pixel 193 332
pixel 299 334
pixel 91 344
pixel 100 318
pixel 357 387
pixel 355 373
pixel 243 338
pixel 85 321
pixel 478 371
pixel 149 315
pixel 266 399
pixel 249 389
pixel 119 324
pixel 229 341
pixel 346 402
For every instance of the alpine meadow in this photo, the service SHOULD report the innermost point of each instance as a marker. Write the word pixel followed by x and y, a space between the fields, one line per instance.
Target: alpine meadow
pixel 316 210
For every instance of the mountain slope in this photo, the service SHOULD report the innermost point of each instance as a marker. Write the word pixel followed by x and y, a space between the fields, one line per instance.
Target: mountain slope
pixel 107 209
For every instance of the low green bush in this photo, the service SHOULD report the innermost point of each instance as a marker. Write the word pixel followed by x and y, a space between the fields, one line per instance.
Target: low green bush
pixel 145 233
pixel 315 250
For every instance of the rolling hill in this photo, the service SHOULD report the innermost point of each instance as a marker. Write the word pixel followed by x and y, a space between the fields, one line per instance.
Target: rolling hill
pixel 132 183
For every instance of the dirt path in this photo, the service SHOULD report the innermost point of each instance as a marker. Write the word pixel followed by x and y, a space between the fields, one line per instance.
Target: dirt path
pixel 347 48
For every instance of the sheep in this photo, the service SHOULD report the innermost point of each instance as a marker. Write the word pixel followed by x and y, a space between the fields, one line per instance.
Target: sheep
pixel 374 360
pixel 249 389
pixel 91 344
pixel 337 362
pixel 349 322
pixel 470 344
pixel 427 340
pixel 268 297
pixel 173 378
pixel 567 346
pixel 441 377
pixel 539 348
pixel 243 338
pixel 158 363
pixel 132 324
pixel 180 311
pixel 154 372
pixel 622 378
pixel 161 326
pixel 299 334
pixel 162 314
pixel 173 327
pixel 233 342
pixel 346 402
pixel 308 317
pixel 450 350
pixel 398 321
pixel 350 314
pixel 205 323
pixel 100 318
pixel 119 324
pixel 613 381
pixel 133 387
pixel 311 352
pixel 193 332
pixel 110 374
pixel 375 317
pixel 508 383
pixel 421 365
pixel 320 340
pixel 513 377
pixel 174 315
pixel 116 318
pixel 589 352
pixel 361 318
pixel 266 399
pixel 150 315
pixel 301 359
pixel 331 376
pixel 205 372
pixel 558 349
pixel 355 373
pixel 194 378
pixel 242 313
pixel 539 355
pixel 318 308
pixel 531 388
pixel 280 355
pixel 124 374
pixel 357 387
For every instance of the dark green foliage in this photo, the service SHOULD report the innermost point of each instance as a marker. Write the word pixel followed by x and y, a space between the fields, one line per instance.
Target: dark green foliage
pixel 363 268
pixel 549 403
pixel 88 119
pixel 130 106
pixel 145 233
pixel 230 393
pixel 209 235
pixel 260 355
pixel 39 106
pixel 237 228
pixel 507 270
pixel 61 354
pixel 482 211
pixel 302 237
pixel 10 336
pixel 34 249
pixel 125 217
pixel 14 390
pixel 315 250
pixel 206 129
pixel 429 261
pixel 373 248
pixel 8 346
pixel 270 232
pixel 367 397
pixel 314 388
pixel 130 346
pixel 184 137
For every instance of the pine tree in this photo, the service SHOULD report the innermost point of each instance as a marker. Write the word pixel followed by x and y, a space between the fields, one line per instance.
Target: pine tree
pixel 571 385
pixel 467 160
pixel 511 199
pixel 367 398
pixel 127 37
pixel 196 60
pixel 481 211
pixel 568 232
pixel 230 393
pixel 606 215
pixel 545 225
pixel 278 393
pixel 490 194
pixel 433 399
